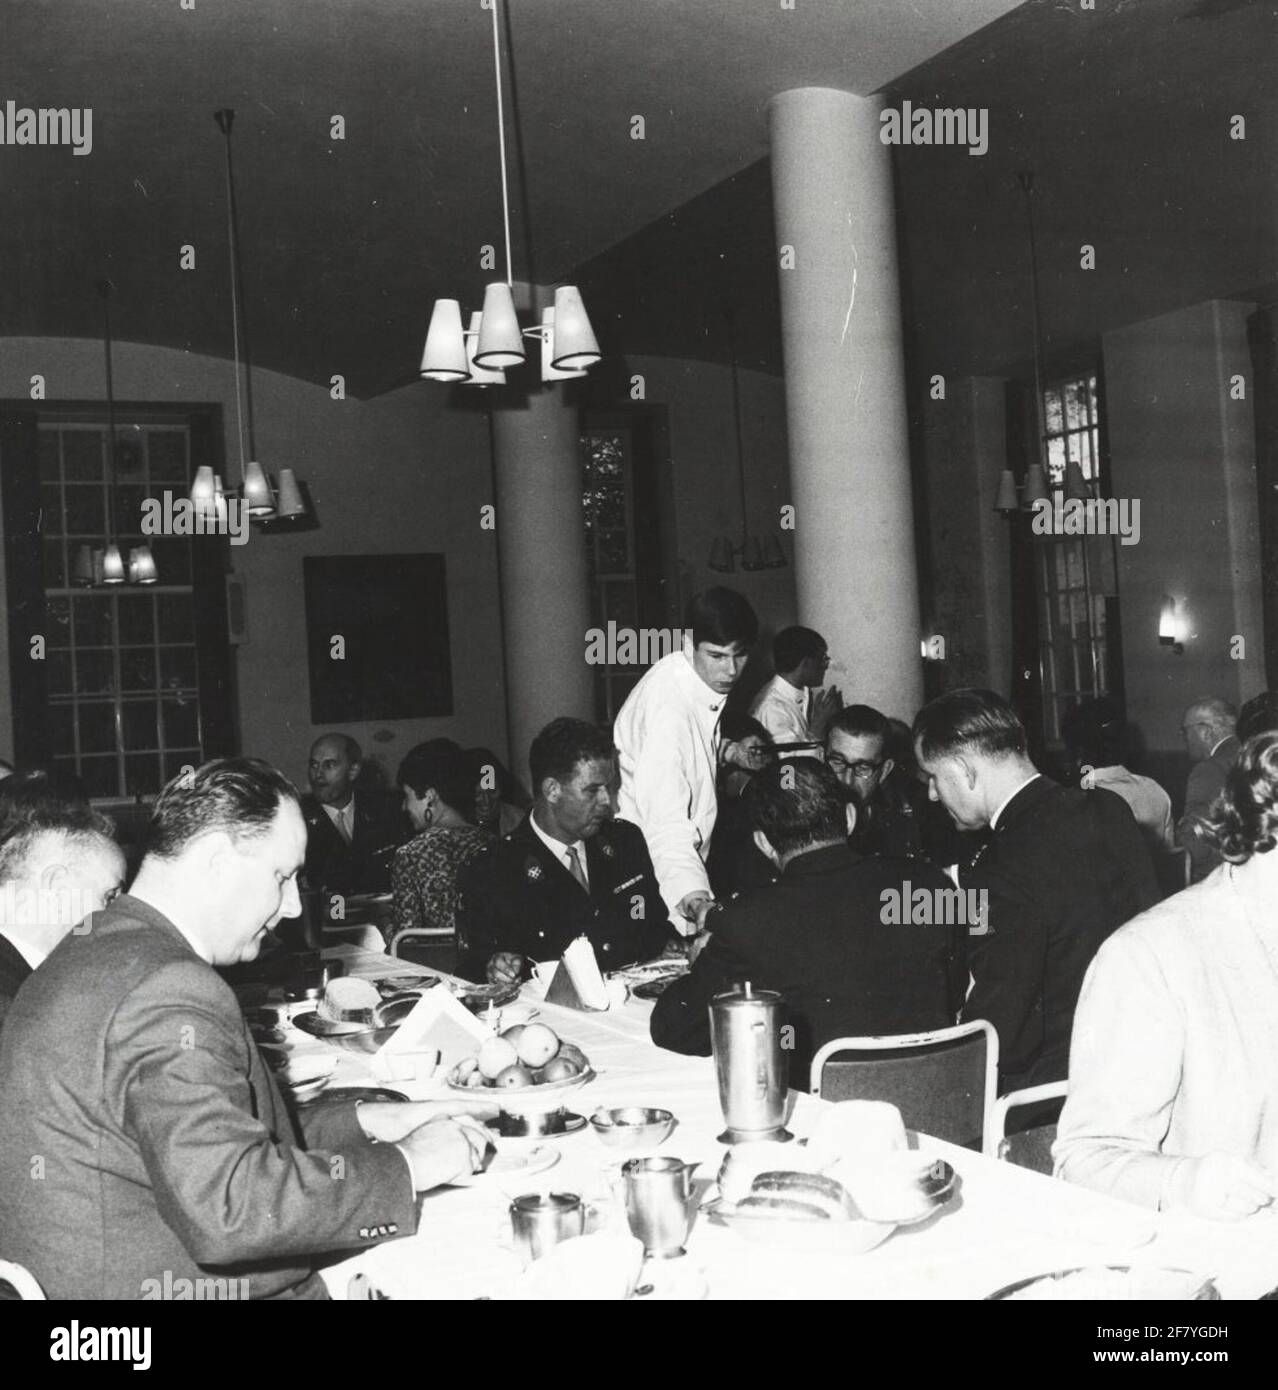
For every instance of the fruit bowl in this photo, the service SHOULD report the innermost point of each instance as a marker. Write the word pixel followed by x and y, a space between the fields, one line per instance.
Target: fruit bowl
pixel 548 1095
pixel 525 1069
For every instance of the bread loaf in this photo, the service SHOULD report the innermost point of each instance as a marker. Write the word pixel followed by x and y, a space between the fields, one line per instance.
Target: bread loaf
pixel 348 1000
pixel 804 1196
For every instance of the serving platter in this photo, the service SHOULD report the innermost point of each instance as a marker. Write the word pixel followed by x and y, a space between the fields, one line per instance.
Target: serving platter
pixel 477 998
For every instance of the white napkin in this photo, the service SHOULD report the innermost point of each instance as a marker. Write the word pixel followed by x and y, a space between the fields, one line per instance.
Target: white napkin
pixel 438 1024
pixel 600 1267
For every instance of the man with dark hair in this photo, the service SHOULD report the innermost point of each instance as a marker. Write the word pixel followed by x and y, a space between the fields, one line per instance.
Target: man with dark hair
pixel 567 870
pixel 58 865
pixel 166 1150
pixel 667 736
pixel 1209 728
pixel 352 834
pixel 792 707
pixel 855 945
pixel 1063 869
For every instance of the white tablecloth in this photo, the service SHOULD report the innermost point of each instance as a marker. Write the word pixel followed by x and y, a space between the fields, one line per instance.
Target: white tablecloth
pixel 1008 1223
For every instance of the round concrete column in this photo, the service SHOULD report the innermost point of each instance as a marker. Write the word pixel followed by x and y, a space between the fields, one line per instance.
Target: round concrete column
pixel 542 549
pixel 845 393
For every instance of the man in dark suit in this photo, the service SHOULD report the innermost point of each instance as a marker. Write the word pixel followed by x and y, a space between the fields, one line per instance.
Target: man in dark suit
pixel 567 870
pixel 1063 869
pixel 58 865
pixel 856 945
pixel 1208 729
pixel 351 836
pixel 144 1138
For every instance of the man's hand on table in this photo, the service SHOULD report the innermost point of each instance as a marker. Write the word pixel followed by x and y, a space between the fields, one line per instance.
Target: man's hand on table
pixel 505 968
pixel 694 908
pixel 390 1121
pixel 443 1151
pixel 1222 1187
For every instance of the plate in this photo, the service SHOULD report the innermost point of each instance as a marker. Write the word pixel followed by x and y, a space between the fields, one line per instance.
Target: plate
pixel 817 1237
pixel 520 1160
pixel 478 997
pixel 667 967
pixel 319 1027
pixel 368 1093
pixel 396 985
pixel 1110 1283
pixel 653 989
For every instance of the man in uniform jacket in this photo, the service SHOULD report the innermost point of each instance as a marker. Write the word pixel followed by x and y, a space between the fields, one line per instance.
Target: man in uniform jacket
pixel 144 1139
pixel 567 870
pixel 1063 869
pixel 1212 744
pixel 351 835
pixel 853 943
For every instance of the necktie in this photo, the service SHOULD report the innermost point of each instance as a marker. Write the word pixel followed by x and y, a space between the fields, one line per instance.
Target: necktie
pixel 574 867
pixel 344 822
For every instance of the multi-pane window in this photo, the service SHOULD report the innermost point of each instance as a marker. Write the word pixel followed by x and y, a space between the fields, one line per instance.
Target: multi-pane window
pixel 608 512
pixel 123 691
pixel 1077 571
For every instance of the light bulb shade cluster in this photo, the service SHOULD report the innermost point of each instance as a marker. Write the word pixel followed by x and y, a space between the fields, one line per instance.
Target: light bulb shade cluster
pixel 480 354
pixel 756 554
pixel 262 501
pixel 1035 488
pixel 105 567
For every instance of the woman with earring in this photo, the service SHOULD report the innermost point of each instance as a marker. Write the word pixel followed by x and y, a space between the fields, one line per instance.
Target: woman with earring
pixel 438 786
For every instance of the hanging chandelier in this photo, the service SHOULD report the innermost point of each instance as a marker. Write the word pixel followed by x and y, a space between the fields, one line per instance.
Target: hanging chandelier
pixel 263 502
pixel 479 354
pixel 106 568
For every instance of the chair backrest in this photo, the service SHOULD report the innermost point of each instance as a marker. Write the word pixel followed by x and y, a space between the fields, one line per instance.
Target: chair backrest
pixel 943 1082
pixel 18 1284
pixel 1031 1147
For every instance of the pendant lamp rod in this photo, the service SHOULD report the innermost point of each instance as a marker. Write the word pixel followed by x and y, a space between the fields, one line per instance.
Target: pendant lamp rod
pixel 104 289
pixel 501 140
pixel 1026 179
pixel 736 420
pixel 225 118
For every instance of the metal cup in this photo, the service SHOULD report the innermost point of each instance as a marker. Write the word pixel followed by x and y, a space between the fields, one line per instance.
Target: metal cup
pixel 539 1221
pixel 658 1204
pixel 745 1035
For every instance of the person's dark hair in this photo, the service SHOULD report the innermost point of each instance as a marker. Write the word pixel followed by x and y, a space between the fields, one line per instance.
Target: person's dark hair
pixel 795 644
pixel 969 721
pixel 449 772
pixel 31 807
pixel 797 804
pixel 240 796
pixel 721 616
pixel 486 764
pixel 561 745
pixel 1244 818
pixel 862 721
pixel 1095 732
pixel 1258 716
pixel 735 724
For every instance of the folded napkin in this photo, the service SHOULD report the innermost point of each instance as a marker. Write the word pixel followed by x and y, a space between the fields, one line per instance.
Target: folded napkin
pixel 438 1024
pixel 603 1267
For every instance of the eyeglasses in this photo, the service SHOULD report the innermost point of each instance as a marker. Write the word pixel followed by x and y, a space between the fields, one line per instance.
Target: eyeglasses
pixel 860 769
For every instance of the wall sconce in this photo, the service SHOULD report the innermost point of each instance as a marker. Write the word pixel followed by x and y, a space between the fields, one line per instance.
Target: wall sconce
pixel 1169 626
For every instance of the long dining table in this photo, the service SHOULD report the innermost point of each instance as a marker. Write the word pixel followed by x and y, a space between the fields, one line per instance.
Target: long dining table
pixel 1005 1224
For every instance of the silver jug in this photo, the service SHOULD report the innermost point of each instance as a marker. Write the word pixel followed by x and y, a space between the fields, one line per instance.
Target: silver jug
pixel 745 1033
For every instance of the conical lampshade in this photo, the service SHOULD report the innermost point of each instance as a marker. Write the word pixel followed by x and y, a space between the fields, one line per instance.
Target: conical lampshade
pixel 82 567
pixel 257 491
pixel 480 376
pixel 142 566
pixel 1035 486
pixel 97 565
pixel 721 555
pixel 751 554
pixel 773 555
pixel 444 357
pixel 1076 489
pixel 549 372
pixel 575 341
pixel 1006 501
pixel 291 502
pixel 112 565
pixel 500 344
pixel 204 491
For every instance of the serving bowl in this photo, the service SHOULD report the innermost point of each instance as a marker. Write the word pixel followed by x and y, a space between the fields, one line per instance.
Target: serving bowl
pixel 524 1100
pixel 632 1127
pixel 1110 1283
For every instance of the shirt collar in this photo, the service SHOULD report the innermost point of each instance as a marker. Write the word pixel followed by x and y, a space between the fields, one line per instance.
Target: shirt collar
pixel 33 956
pixel 698 689
pixel 557 847
pixel 1016 791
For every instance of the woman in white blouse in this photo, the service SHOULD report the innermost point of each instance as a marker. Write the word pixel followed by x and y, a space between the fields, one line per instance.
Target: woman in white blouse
pixel 1173 1097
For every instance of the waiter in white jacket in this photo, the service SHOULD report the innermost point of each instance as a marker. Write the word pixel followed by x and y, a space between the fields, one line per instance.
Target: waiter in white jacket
pixel 667 737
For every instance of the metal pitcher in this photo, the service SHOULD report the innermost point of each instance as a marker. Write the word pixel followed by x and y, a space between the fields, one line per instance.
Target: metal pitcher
pixel 745 1033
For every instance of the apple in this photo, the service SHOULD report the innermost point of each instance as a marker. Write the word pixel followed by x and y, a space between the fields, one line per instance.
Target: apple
pixel 570 1052
pixel 537 1045
pixel 515 1075
pixel 495 1055
pixel 475 1080
pixel 512 1035
pixel 560 1069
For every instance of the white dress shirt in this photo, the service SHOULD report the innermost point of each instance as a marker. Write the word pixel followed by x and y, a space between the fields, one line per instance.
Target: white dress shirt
pixel 343 819
pixel 33 956
pixel 1175 1044
pixel 667 737
pixel 1149 802
pixel 560 850
pixel 785 711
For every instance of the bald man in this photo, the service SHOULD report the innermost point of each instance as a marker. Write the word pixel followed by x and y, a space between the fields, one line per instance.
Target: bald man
pixel 1208 729
pixel 351 836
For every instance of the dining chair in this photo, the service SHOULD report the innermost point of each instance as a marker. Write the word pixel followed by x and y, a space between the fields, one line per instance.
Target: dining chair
pixel 435 946
pixel 1032 1147
pixel 18 1284
pixel 943 1082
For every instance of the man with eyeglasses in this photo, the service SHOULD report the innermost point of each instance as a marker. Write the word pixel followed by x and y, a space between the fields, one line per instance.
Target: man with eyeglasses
pixel 1208 729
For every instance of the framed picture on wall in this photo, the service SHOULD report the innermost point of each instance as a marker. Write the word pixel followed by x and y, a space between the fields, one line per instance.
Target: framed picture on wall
pixel 377 637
